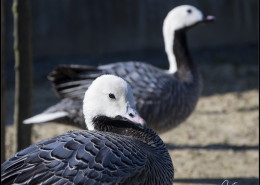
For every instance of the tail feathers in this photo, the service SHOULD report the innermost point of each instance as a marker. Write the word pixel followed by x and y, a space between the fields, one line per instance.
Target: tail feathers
pixel 70 72
pixel 45 117
pixel 72 81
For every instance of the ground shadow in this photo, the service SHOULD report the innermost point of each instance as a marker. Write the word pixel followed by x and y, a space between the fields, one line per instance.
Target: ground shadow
pixel 220 181
pixel 213 147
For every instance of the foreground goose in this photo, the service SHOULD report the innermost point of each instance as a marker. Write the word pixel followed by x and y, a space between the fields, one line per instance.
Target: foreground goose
pixel 117 149
pixel 163 98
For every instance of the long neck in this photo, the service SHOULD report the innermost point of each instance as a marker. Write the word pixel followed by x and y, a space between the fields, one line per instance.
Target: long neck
pixel 178 54
pixel 124 127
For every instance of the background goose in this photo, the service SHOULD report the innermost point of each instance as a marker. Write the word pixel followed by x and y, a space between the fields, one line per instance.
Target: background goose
pixel 164 98
pixel 117 148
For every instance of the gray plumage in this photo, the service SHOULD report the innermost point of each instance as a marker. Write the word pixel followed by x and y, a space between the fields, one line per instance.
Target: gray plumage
pixel 116 155
pixel 162 99
pixel 117 148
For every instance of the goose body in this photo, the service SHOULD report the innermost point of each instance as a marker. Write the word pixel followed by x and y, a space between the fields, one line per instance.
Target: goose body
pixel 164 98
pixel 117 148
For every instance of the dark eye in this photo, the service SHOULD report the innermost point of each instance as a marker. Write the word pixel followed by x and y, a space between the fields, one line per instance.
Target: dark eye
pixel 131 115
pixel 189 11
pixel 112 96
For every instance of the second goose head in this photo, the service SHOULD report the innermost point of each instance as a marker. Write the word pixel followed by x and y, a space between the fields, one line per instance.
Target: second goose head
pixel 110 96
pixel 181 19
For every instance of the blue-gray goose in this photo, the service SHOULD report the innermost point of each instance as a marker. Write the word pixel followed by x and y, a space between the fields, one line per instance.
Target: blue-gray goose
pixel 164 98
pixel 117 148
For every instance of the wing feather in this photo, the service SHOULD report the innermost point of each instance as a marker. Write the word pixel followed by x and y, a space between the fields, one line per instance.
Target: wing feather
pixel 76 157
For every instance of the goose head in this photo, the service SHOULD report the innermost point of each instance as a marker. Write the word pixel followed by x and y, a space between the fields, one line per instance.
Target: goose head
pixel 112 97
pixel 180 18
pixel 183 17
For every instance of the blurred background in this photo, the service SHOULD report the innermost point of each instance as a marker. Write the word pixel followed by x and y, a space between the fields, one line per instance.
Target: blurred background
pixel 221 135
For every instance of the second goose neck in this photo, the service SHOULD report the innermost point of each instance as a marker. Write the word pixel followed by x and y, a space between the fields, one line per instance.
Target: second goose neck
pixel 178 55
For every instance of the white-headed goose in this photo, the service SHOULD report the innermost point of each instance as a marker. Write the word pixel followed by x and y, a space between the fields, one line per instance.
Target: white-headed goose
pixel 117 148
pixel 164 98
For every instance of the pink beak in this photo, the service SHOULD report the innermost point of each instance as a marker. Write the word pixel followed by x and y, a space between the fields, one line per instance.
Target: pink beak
pixel 133 116
pixel 209 18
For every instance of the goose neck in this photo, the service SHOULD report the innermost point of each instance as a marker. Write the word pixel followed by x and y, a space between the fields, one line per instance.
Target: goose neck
pixel 177 52
pixel 126 128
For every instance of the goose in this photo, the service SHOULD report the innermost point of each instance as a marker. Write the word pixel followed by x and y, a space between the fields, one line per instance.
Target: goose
pixel 118 147
pixel 164 98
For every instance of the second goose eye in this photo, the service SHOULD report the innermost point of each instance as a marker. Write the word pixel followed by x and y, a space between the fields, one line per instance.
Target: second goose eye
pixel 112 96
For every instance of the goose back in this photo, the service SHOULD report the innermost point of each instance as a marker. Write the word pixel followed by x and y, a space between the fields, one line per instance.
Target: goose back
pixel 163 99
pixel 91 157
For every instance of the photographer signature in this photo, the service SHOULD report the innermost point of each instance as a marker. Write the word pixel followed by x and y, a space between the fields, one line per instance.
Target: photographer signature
pixel 226 182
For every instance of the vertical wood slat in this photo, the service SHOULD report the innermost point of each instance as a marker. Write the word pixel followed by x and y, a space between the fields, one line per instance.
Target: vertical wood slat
pixel 3 80
pixel 23 70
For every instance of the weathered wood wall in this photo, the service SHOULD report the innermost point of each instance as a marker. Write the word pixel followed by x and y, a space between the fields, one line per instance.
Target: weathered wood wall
pixel 69 28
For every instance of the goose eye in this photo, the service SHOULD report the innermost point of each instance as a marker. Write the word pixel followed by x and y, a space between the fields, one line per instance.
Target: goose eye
pixel 189 11
pixel 131 115
pixel 112 96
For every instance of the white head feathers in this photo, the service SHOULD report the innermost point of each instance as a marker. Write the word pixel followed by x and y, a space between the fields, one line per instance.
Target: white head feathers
pixel 109 96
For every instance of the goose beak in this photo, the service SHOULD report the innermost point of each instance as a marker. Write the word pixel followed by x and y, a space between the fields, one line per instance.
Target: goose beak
pixel 133 116
pixel 208 18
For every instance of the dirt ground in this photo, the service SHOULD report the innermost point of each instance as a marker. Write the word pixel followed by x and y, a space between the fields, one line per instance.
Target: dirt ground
pixel 218 142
